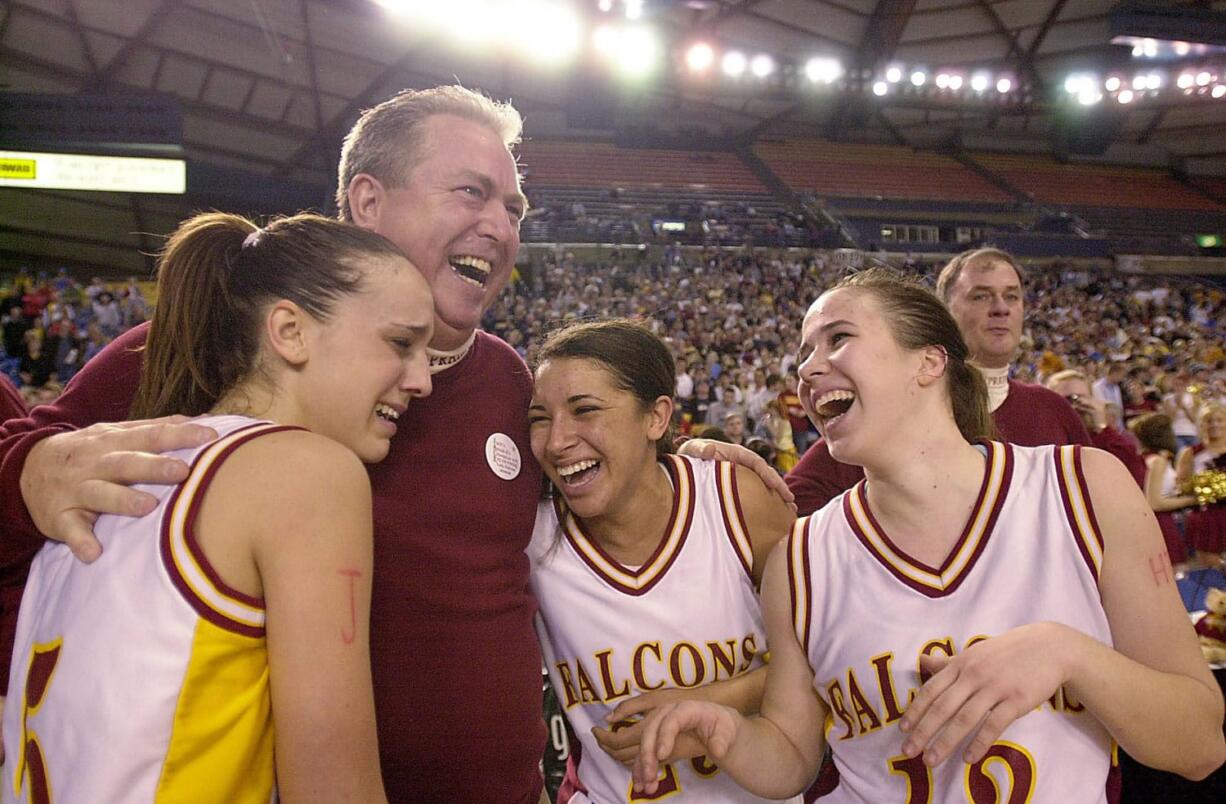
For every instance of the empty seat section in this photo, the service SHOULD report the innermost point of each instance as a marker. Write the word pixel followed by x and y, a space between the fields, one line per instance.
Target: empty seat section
pixel 887 171
pixel 1080 185
pixel 598 164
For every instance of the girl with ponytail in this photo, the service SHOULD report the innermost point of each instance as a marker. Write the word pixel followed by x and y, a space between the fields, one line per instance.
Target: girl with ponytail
pixel 979 621
pixel 221 641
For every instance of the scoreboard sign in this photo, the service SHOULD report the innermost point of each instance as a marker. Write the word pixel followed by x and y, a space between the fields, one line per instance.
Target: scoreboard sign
pixel 123 174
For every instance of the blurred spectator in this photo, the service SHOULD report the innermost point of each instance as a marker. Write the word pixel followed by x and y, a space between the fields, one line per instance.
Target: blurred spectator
pixel 1206 525
pixel 1075 388
pixel 1107 388
pixel 107 314
pixel 727 404
pixel 776 428
pixel 734 428
pixel 1157 439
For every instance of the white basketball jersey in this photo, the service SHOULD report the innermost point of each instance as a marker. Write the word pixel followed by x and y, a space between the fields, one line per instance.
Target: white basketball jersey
pixel 864 612
pixel 142 676
pixel 687 617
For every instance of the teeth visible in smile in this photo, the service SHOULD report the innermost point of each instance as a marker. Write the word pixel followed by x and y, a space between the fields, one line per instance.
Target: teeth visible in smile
pixel 830 404
pixel 386 412
pixel 567 471
pixel 472 270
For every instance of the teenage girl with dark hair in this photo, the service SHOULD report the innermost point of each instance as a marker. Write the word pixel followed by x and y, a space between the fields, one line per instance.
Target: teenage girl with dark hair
pixel 645 563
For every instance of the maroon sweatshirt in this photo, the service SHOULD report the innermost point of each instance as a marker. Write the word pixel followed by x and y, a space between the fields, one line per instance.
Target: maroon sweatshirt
pixel 456 665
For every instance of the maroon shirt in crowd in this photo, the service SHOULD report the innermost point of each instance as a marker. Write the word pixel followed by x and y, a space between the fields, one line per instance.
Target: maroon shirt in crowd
pixel 455 661
pixel 1030 416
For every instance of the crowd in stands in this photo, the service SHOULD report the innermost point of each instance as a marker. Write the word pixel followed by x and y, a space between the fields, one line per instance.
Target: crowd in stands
pixel 1147 345
pixel 52 325
pixel 731 318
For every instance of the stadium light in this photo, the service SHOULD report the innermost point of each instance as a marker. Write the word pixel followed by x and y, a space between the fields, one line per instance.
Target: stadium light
pixel 699 57
pixel 1112 84
pixel 605 5
pixel 1004 85
pixel 481 23
pixel 606 38
pixel 880 88
pixel 823 69
pixel 942 80
pixel 762 65
pixel 1077 83
pixel 634 9
pixel 979 82
pixel 1153 81
pixel 1203 78
pixel 893 75
pixel 1219 90
pixel 918 78
pixel 1125 96
pixel 1089 97
pixel 420 12
pixel 638 52
pixel 733 63
pixel 548 32
pixel 1185 80
pixel 955 82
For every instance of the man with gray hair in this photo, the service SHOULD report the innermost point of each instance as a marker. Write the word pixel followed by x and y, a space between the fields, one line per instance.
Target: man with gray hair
pixel 454 658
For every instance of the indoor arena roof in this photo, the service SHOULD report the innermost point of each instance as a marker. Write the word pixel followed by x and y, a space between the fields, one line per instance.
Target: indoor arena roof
pixel 268 87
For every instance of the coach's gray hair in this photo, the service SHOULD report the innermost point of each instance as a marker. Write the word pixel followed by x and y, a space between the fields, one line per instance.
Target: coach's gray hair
pixel 976 256
pixel 386 141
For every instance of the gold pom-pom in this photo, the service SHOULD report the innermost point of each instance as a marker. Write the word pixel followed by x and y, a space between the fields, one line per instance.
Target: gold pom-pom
pixel 1209 486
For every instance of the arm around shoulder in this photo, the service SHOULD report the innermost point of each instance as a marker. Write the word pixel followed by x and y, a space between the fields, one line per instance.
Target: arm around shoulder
pixel 768 520
pixel 313 550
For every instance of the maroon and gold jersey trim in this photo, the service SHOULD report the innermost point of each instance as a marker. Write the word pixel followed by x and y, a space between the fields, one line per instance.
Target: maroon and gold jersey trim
pixel 734 518
pixel 800 582
pixel 190 572
pixel 638 581
pixel 1079 510
pixel 933 581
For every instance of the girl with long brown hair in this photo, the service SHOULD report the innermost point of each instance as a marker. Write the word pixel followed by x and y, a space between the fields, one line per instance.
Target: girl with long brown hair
pixel 974 620
pixel 241 602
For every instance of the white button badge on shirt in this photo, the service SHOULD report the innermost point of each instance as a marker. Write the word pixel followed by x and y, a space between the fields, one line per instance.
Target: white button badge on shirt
pixel 503 456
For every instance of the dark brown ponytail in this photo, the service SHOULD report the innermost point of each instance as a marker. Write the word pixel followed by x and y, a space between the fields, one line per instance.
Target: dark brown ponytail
pixel 216 276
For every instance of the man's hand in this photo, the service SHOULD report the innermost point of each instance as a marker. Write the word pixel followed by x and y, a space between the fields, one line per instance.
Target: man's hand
pixel 743 456
pixel 69 479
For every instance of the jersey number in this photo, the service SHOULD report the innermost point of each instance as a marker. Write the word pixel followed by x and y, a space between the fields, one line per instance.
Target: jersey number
pixel 32 764
pixel 981 786
pixel 669 783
